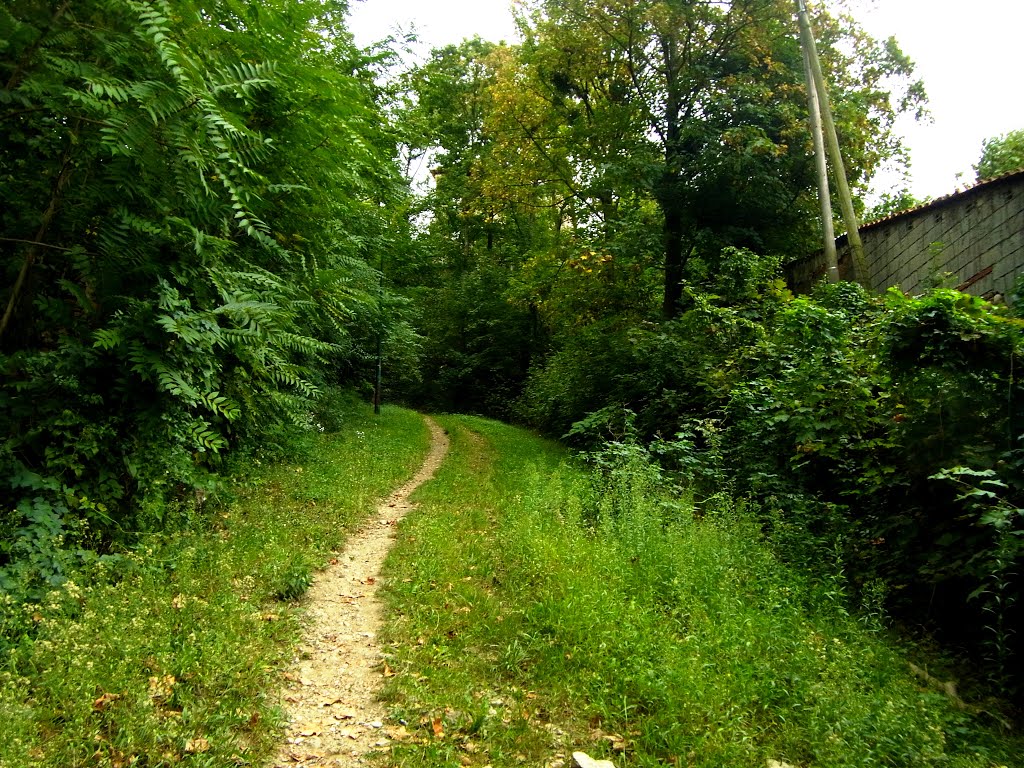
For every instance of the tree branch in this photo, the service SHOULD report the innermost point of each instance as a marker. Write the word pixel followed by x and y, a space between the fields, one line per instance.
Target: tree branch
pixel 12 82
pixel 35 243
pixel 48 215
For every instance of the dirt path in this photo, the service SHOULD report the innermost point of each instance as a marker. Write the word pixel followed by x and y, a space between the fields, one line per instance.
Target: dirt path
pixel 331 694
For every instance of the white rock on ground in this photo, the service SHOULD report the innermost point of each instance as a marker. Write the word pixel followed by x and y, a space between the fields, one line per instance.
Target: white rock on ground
pixel 583 760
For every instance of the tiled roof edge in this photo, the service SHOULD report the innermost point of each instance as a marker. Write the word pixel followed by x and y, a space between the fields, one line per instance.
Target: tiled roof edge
pixel 940 201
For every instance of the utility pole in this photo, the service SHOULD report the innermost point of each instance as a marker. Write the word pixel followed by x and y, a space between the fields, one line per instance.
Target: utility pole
pixel 860 271
pixel 820 162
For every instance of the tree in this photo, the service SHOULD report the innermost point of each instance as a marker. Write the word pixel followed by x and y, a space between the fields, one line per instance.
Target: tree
pixel 695 106
pixel 441 124
pixel 478 338
pixel 892 203
pixel 1001 155
pixel 193 196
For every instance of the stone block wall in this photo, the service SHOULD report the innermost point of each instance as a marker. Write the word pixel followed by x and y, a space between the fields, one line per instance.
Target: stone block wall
pixel 976 236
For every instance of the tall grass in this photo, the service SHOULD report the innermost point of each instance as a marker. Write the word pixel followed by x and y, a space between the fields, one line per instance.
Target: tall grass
pixel 165 655
pixel 540 608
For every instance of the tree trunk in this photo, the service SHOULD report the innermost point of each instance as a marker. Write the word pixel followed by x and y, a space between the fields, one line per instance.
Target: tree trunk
pixel 674 257
pixel 38 241
pixel 669 198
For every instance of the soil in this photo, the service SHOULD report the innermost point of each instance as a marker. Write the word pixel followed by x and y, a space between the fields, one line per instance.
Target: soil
pixel 331 693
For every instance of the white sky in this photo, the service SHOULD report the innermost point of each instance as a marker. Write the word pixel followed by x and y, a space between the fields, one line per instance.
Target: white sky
pixel 969 54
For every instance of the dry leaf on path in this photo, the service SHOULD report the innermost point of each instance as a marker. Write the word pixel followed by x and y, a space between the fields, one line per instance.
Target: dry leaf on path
pixel 162 687
pixel 105 700
pixel 397 732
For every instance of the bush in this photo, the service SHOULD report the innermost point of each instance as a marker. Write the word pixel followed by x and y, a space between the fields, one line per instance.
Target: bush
pixel 838 413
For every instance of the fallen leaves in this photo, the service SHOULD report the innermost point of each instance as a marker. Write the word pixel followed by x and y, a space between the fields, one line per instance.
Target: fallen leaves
pixel 398 733
pixel 197 745
pixel 161 687
pixel 615 741
pixel 105 700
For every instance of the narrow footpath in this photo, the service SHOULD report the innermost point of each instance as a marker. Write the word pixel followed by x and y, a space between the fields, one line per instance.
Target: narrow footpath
pixel 331 695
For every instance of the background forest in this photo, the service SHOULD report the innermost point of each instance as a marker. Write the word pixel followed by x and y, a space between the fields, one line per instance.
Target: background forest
pixel 207 234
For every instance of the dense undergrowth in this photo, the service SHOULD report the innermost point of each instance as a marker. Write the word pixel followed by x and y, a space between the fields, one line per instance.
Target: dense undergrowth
pixel 192 197
pixel 887 431
pixel 542 607
pixel 169 653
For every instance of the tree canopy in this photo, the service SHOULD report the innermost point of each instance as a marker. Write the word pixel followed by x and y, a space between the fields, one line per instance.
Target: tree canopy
pixel 1000 155
pixel 207 235
pixel 697 109
pixel 194 194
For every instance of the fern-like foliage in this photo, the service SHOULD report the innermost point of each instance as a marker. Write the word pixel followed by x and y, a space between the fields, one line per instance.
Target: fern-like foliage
pixel 193 191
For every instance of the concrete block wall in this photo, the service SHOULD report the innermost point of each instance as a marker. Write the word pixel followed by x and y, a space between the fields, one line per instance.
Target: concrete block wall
pixel 976 236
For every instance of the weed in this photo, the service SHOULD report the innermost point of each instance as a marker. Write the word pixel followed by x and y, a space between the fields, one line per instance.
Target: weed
pixel 294 579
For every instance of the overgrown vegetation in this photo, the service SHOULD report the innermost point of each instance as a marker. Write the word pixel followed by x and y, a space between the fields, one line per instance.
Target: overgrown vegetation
pixel 543 607
pixel 192 195
pixel 1001 155
pixel 887 431
pixel 170 653
pixel 206 238
pixel 603 259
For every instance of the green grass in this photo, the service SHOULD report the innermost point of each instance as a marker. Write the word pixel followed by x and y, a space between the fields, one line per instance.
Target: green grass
pixel 167 657
pixel 536 611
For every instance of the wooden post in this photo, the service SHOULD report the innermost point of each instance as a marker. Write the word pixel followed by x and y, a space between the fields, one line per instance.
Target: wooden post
pixel 377 379
pixel 860 270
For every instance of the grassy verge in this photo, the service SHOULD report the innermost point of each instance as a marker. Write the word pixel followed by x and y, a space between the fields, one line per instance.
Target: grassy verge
pixel 166 656
pixel 537 610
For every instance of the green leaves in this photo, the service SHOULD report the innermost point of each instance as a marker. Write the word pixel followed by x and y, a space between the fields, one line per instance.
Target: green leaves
pixel 1001 155
pixel 205 186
